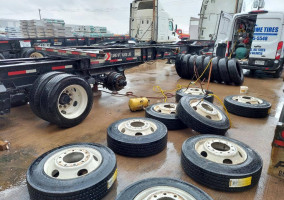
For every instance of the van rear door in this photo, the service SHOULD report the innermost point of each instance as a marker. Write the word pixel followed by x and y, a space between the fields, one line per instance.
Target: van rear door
pixel 266 36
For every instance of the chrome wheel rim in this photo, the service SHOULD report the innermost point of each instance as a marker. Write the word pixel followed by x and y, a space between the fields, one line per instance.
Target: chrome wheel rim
pixel 247 100
pixel 166 108
pixel 206 110
pixel 137 127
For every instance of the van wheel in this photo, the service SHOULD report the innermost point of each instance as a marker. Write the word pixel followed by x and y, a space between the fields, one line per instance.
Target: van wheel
pixel 66 100
pixel 278 72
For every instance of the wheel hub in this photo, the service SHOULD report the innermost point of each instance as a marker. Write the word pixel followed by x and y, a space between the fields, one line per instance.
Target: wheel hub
pixel 64 99
pixel 137 127
pixel 221 151
pixel 73 163
pixel 247 99
pixel 166 108
pixel 194 91
pixel 164 193
pixel 206 110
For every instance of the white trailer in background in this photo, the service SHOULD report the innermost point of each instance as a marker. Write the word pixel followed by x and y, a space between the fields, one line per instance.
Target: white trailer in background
pixel 210 16
pixel 193 28
pixel 149 22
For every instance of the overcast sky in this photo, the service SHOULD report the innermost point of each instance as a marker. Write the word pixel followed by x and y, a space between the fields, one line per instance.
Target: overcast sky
pixel 114 14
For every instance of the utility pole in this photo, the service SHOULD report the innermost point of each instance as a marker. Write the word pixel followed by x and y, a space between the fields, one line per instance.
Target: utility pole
pixel 39 14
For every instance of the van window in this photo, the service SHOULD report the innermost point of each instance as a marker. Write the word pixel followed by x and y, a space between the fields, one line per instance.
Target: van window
pixel 171 26
pixel 145 5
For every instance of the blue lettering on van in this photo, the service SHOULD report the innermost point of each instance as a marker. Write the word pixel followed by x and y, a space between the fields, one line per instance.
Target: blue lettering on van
pixel 256 51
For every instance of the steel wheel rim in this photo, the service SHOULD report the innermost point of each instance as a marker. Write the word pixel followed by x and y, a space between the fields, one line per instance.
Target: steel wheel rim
pixel 206 110
pixel 73 163
pixel 137 127
pixel 221 151
pixel 166 108
pixel 36 55
pixel 194 91
pixel 72 101
pixel 248 100
pixel 164 193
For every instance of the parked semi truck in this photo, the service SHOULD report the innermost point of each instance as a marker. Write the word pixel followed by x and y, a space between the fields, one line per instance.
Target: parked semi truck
pixel 149 22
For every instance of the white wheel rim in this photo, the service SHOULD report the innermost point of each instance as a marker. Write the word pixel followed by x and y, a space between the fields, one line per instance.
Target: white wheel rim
pixel 163 193
pixel 206 110
pixel 137 127
pixel 247 100
pixel 77 104
pixel 221 151
pixel 73 163
pixel 194 91
pixel 166 108
pixel 36 55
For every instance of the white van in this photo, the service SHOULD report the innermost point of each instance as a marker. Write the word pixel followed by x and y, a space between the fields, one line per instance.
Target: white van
pixel 254 38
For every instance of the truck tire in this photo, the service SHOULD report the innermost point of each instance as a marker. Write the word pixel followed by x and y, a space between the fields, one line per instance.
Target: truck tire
pixel 32 53
pixel 137 137
pixel 235 71
pixel 66 100
pixel 231 166
pixel 278 72
pixel 202 116
pixel 162 188
pixel 197 92
pixel 247 106
pixel 223 70
pixel 165 113
pixel 206 62
pixel 185 70
pixel 36 91
pixel 178 64
pixel 215 70
pixel 191 62
pixel 87 181
pixel 199 64
pixel 1 56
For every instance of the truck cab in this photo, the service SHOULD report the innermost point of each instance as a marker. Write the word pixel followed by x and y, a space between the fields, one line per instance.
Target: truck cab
pixel 254 38
pixel 149 22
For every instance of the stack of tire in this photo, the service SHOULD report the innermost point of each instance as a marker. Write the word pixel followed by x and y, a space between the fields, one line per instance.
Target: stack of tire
pixel 224 70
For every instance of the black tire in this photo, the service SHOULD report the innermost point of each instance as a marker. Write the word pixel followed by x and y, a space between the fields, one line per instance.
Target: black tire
pixel 87 187
pixel 191 63
pixel 24 51
pixel 281 118
pixel 206 62
pixel 199 64
pixel 1 56
pixel 198 122
pixel 137 146
pixel 215 70
pixel 180 93
pixel 133 190
pixel 36 91
pixel 51 94
pixel 188 73
pixel 28 52
pixel 171 121
pixel 235 71
pixel 278 72
pixel 224 177
pixel 178 64
pixel 184 62
pixel 223 71
pixel 247 110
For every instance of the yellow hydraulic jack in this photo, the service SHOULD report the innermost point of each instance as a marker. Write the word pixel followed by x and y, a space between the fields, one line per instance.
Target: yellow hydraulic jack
pixel 136 104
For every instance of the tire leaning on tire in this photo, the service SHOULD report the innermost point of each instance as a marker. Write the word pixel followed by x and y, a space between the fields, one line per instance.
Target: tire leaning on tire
pixel 162 188
pixel 235 71
pixel 171 121
pixel 215 70
pixel 178 65
pixel 199 123
pixel 247 110
pixel 199 64
pixel 180 93
pixel 137 145
pixel 191 63
pixel 184 68
pixel 54 90
pixel 216 175
pixel 93 185
pixel 223 71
